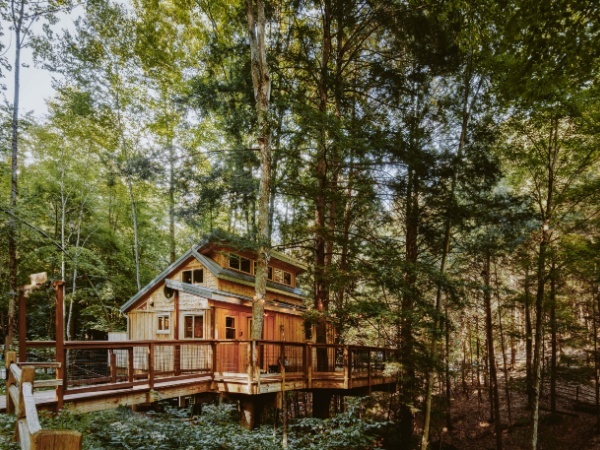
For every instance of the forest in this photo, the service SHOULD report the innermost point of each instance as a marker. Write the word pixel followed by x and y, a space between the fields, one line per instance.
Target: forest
pixel 435 162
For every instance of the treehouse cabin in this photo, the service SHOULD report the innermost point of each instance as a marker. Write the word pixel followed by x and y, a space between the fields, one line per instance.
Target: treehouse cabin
pixel 188 336
pixel 207 294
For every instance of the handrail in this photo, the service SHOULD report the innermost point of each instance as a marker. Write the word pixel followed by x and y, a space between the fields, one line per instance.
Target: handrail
pixel 20 400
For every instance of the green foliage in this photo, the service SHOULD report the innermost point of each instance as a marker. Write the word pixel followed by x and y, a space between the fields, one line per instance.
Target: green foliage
pixel 215 429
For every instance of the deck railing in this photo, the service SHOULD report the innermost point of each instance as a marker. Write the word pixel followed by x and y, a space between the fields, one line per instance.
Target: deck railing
pixel 112 365
pixel 20 400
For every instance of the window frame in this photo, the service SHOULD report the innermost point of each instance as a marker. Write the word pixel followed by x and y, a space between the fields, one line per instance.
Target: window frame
pixel 160 323
pixel 192 275
pixel 239 265
pixel 193 316
pixel 234 328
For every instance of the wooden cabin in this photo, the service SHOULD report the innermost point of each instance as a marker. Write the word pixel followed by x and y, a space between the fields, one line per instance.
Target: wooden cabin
pixel 207 294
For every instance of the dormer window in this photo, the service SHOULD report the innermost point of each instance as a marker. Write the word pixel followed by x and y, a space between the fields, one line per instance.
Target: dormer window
pixel 195 276
pixel 240 263
pixel 282 277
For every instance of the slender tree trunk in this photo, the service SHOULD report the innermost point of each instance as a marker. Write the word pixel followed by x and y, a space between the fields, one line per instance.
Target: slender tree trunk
pixel 502 344
pixel 487 296
pixel 528 343
pixel 13 234
pixel 136 244
pixel 172 242
pixel 553 338
pixel 408 385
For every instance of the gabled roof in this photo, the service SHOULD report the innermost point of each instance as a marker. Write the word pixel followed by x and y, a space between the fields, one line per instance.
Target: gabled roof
pixel 219 272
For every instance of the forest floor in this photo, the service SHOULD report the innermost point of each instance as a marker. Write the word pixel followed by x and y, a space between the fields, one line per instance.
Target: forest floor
pixel 567 430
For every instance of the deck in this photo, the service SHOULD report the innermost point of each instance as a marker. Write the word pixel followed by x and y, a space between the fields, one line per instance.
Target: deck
pixel 100 375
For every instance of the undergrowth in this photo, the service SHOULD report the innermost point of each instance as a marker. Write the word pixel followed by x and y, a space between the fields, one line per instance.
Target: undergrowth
pixel 216 429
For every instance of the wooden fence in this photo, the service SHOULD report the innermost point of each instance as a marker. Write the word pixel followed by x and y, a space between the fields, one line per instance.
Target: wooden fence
pixel 20 400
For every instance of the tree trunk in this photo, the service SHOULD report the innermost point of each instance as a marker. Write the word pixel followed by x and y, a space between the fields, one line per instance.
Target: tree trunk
pixel 553 338
pixel 408 384
pixel 261 81
pixel 528 343
pixel 12 221
pixel 487 296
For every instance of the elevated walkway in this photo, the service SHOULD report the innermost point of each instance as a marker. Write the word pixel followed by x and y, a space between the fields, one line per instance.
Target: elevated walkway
pixel 98 375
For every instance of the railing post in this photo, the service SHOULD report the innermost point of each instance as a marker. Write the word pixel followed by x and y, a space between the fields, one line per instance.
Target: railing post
pixel 346 367
pixel 213 345
pixel 11 358
pixel 177 357
pixel 309 365
pixel 130 366
pixel 22 326
pixel 113 366
pixel 27 376
pixel 151 365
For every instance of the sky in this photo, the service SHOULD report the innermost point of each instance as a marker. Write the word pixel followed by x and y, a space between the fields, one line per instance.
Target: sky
pixel 36 83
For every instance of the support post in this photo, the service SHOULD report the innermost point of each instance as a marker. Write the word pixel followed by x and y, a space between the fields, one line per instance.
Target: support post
pixel 130 368
pixel 113 366
pixel 309 365
pixel 61 370
pixel 177 350
pixel 346 367
pixel 151 366
pixel 22 325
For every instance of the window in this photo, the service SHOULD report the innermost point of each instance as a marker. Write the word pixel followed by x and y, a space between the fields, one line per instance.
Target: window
pixel 287 278
pixel 163 323
pixel 195 276
pixel 283 277
pixel 193 327
pixel 229 327
pixel 270 272
pixel 240 263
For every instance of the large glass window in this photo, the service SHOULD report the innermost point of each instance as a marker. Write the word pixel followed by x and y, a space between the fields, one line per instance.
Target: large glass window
pixel 193 327
pixel 195 276
pixel 230 328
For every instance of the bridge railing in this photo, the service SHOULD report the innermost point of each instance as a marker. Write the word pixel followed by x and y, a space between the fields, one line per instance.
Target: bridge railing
pixel 20 400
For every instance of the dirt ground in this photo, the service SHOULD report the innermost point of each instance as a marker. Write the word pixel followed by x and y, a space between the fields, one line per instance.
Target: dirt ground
pixel 568 430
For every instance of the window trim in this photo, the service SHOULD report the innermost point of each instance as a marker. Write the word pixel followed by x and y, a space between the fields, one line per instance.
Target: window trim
pixel 160 316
